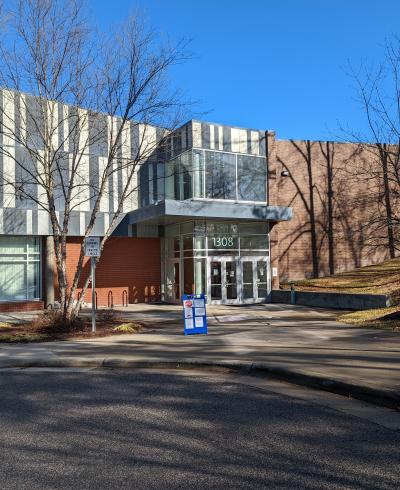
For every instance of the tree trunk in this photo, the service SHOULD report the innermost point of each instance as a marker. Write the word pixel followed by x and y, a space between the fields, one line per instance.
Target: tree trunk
pixel 313 228
pixel 388 205
pixel 329 175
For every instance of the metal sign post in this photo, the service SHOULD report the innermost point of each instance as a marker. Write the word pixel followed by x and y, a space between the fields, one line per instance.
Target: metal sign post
pixel 93 267
pixel 92 250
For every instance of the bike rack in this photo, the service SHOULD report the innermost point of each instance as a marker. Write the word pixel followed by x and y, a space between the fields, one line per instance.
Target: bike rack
pixel 124 297
pixel 110 299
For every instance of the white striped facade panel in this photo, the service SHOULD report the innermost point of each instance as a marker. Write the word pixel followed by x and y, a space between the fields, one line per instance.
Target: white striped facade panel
pixel 196 134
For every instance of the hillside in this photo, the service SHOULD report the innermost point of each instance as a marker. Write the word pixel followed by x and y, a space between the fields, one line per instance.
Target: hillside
pixel 381 278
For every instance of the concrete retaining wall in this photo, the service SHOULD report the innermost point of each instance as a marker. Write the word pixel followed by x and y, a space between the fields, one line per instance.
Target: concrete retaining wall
pixel 341 301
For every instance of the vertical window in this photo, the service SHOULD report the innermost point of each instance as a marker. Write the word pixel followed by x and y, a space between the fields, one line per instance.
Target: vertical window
pixel 252 178
pixel 186 175
pixel 220 175
pixel 19 268
pixel 198 174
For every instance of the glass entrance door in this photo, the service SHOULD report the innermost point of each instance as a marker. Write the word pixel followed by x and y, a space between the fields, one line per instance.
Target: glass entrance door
pixel 223 280
pixel 255 279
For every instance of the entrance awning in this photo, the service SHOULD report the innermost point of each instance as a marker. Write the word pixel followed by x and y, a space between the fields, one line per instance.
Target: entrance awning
pixel 170 211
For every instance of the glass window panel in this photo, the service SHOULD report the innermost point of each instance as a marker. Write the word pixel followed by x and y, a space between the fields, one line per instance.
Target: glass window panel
pixel 170 247
pixel 188 276
pixel 200 276
pixel 12 281
pixel 262 270
pixel 262 291
pixel 220 170
pixel 255 242
pixel 160 182
pixel 198 174
pixel 13 245
pixel 216 272
pixel 247 291
pixel 200 228
pixel 172 230
pixel 221 227
pixel 151 182
pixel 19 279
pixel 231 291
pixel 248 272
pixel 252 178
pixel 186 175
pixel 144 185
pixel 199 243
pixel 186 228
pixel 253 228
pixel 188 242
pixel 13 258
pixel 34 245
pixel 33 280
pixel 230 279
pixel 216 291
pixel 176 246
pixel 172 188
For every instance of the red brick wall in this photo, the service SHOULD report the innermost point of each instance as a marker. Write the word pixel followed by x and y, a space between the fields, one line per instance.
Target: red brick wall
pixel 354 201
pixel 127 264
pixel 21 306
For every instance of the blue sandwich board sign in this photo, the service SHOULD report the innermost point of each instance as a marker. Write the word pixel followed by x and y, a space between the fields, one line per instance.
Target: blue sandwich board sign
pixel 194 313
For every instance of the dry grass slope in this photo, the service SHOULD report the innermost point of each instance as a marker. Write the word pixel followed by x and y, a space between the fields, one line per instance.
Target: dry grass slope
pixel 381 278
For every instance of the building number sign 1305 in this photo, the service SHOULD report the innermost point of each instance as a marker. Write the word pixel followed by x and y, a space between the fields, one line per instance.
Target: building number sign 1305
pixel 223 241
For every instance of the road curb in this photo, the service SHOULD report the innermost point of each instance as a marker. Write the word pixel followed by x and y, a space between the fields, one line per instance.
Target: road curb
pixel 376 396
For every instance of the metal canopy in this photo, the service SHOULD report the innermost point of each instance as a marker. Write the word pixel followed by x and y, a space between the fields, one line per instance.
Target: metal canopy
pixel 170 211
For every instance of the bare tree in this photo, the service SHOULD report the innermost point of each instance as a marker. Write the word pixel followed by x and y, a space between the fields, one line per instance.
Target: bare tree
pixel 68 90
pixel 379 96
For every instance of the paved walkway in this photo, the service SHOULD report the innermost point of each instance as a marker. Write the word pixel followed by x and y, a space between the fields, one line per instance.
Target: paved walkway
pixel 302 340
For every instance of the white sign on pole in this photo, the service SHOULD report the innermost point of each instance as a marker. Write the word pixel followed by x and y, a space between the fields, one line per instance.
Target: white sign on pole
pixel 92 246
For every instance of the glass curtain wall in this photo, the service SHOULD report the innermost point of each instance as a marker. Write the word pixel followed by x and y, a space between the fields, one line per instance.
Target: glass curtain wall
pixel 191 243
pixel 205 174
pixel 19 268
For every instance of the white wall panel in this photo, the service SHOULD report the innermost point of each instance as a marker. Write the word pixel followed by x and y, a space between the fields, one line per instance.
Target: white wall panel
pixel 196 131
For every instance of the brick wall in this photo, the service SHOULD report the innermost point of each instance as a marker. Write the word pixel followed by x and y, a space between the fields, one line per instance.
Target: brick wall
pixel 21 306
pixel 354 203
pixel 127 264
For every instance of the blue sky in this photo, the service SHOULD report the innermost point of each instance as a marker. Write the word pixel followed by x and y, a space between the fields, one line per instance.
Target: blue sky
pixel 269 64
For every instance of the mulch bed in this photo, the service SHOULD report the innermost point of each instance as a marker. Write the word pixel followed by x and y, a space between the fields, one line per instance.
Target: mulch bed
pixel 29 332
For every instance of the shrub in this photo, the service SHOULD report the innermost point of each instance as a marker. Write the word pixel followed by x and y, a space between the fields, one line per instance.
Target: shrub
pixel 127 328
pixel 53 320
pixel 107 316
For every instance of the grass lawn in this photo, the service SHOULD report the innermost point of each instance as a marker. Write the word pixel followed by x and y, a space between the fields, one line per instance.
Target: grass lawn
pixel 383 278
pixel 384 318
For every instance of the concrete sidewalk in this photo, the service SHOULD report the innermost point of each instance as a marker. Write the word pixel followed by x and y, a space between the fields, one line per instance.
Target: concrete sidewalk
pixel 300 344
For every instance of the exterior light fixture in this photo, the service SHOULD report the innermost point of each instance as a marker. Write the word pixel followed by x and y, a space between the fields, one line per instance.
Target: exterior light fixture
pixel 285 173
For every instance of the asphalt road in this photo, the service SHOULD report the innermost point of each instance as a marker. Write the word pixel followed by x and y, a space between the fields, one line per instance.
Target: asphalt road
pixel 105 429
